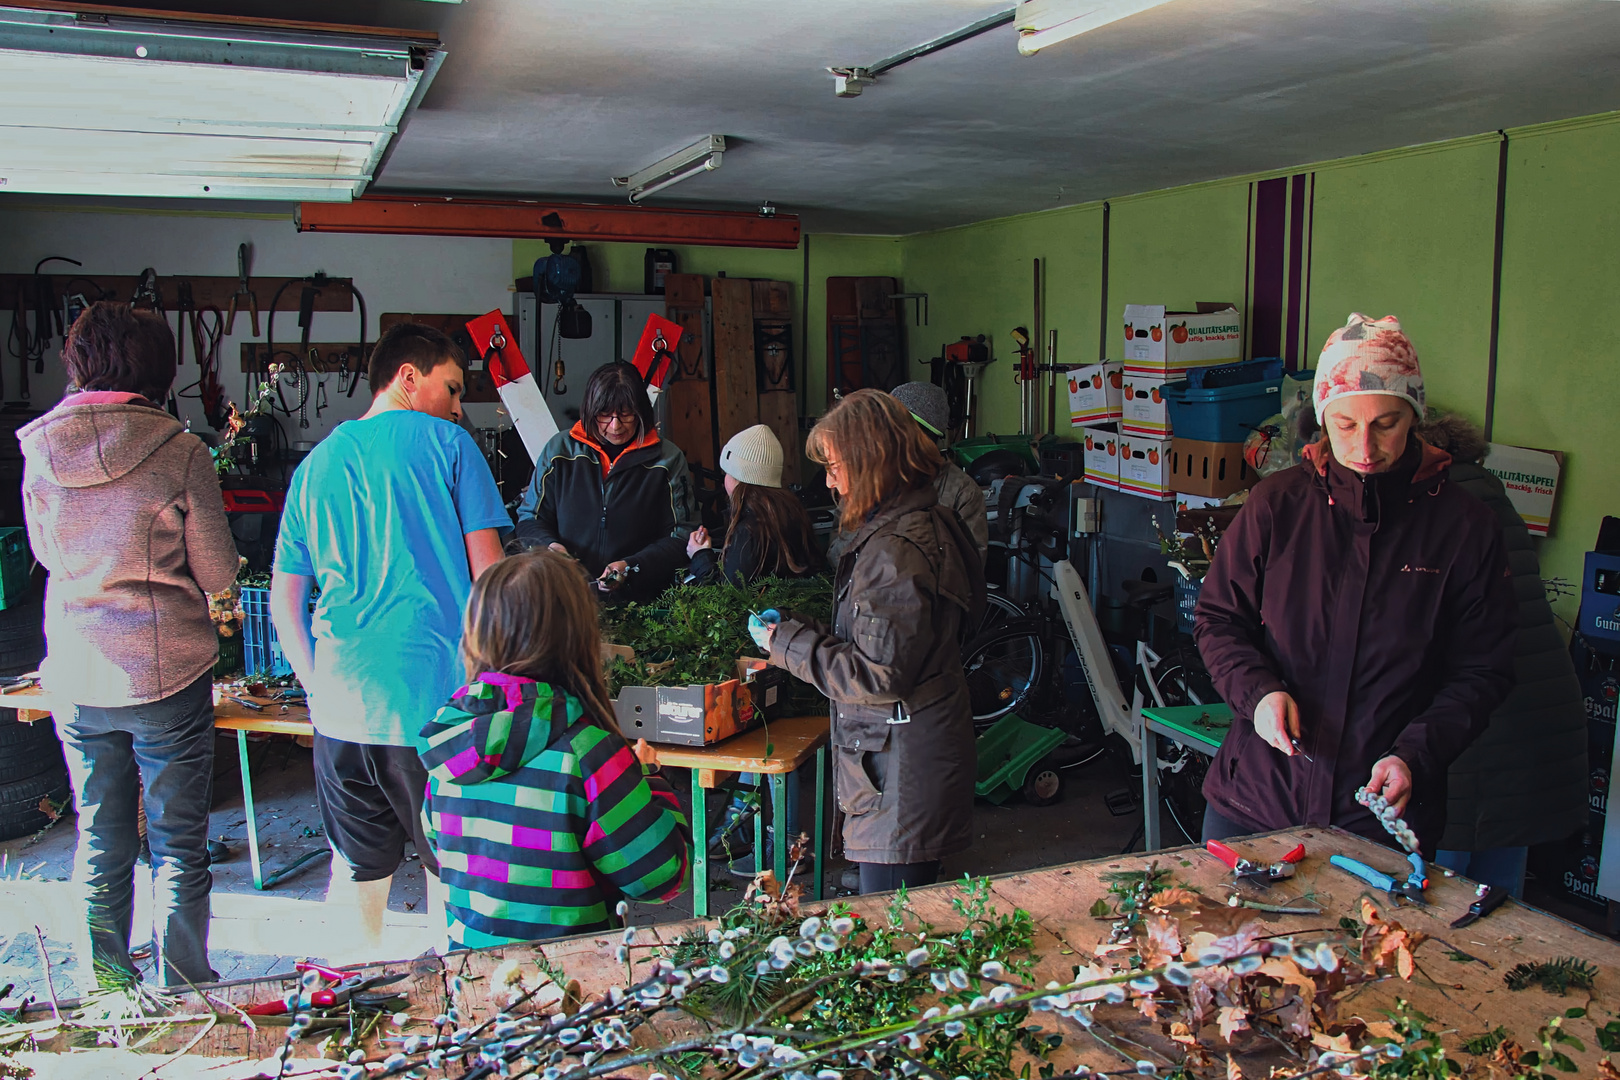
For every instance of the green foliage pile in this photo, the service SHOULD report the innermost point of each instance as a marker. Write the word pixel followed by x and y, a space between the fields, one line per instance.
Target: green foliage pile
pixel 695 633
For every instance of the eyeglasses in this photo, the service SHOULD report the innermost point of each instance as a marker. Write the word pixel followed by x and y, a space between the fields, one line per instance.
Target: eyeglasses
pixel 624 419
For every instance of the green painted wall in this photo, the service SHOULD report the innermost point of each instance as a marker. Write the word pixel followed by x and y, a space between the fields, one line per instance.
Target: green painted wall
pixel 1408 232
pixel 1558 373
pixel 1413 235
pixel 980 280
pixel 621 268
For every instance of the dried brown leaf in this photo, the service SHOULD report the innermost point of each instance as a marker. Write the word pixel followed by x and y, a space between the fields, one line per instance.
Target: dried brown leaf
pixel 1233 1020
pixel 1607 1070
pixel 1182 1034
pixel 1232 1070
pixel 1161 940
pixel 1323 1041
pixel 1175 897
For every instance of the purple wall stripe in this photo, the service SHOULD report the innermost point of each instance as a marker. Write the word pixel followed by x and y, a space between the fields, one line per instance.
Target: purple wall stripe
pixel 1296 257
pixel 1270 228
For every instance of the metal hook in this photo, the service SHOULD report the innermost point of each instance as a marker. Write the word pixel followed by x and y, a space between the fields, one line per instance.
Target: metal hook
pixel 557 384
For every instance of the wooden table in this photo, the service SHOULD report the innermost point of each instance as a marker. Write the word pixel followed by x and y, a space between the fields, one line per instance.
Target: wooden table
pixel 276 718
pixel 790 743
pixel 1462 998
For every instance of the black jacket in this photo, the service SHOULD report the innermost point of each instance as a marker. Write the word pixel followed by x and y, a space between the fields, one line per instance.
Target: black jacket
pixel 639 508
pixel 1524 780
pixel 746 557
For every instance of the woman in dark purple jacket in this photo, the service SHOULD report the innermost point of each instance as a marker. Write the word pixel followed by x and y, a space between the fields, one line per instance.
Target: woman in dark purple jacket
pixel 1359 606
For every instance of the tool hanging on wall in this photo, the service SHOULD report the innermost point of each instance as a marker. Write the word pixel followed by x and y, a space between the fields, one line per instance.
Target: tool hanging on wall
pixel 147 295
pixel 242 290
pixel 35 298
pixel 310 288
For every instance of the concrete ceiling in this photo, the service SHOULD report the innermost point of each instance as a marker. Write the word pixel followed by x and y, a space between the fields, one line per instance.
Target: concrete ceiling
pixel 552 97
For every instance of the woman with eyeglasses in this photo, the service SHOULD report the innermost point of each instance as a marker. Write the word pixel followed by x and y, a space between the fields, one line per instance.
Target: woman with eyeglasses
pixel 907 581
pixel 611 493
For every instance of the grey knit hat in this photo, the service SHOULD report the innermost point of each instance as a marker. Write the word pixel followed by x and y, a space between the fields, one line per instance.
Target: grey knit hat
pixel 928 405
pixel 753 456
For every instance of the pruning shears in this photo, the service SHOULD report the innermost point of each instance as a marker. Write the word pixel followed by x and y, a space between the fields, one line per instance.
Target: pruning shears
pixel 350 988
pixel 1255 873
pixel 244 290
pixel 1488 900
pixel 1410 890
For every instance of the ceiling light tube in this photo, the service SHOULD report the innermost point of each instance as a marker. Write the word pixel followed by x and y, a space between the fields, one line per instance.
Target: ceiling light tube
pixel 708 164
pixel 702 156
pixel 1046 22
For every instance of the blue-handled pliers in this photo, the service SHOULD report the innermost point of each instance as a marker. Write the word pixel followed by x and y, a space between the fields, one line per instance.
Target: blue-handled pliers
pixel 1411 889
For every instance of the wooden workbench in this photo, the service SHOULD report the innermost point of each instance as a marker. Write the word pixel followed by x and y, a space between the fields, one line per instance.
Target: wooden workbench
pixel 1462 998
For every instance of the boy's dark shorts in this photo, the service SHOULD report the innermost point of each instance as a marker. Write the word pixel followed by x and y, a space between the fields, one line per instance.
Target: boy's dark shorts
pixel 371 803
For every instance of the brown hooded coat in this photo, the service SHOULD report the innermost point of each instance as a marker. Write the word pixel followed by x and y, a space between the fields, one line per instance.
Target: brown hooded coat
pixel 902 725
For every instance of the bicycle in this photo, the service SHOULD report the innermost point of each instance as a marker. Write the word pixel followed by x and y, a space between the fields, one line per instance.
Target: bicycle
pixel 1014 663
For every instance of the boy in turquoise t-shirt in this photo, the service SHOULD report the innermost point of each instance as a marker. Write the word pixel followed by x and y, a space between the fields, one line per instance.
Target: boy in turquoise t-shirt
pixel 393 516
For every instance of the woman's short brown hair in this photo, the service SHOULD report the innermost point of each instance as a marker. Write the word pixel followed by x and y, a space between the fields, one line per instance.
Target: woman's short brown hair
pixel 111 346
pixel 533 615
pixel 879 448
pixel 613 389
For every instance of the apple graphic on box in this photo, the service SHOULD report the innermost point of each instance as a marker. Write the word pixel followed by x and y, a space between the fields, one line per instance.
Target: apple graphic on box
pixel 1158 333
pixel 1096 382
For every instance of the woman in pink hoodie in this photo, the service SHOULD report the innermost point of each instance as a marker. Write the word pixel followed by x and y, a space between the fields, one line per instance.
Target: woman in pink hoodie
pixel 124 510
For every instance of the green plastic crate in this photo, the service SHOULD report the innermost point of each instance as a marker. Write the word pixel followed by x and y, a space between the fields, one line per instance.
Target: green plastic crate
pixel 967 451
pixel 1007 752
pixel 16 567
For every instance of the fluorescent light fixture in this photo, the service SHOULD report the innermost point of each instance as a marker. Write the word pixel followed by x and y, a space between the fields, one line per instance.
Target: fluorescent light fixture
pixel 701 157
pixel 117 105
pixel 850 81
pixel 1046 22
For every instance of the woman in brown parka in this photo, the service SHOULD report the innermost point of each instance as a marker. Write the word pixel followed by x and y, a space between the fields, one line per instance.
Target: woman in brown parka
pixel 902 729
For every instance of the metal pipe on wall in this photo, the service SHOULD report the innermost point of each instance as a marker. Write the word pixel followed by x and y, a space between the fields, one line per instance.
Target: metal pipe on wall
pixel 1032 386
pixel 1051 382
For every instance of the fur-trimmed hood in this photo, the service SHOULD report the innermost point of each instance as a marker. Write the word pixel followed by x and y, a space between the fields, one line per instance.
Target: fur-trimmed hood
pixel 1456 436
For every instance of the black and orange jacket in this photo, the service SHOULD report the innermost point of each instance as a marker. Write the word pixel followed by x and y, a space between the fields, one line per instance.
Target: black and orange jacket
pixel 639 507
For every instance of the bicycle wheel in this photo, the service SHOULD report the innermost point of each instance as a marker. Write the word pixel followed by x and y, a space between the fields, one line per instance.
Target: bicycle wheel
pixel 1181 685
pixel 998 611
pixel 1003 669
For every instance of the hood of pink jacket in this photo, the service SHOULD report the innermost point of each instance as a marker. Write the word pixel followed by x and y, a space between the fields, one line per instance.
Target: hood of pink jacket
pixel 81 445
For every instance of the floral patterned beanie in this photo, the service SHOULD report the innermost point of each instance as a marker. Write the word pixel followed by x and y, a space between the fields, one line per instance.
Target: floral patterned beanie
pixel 1368 357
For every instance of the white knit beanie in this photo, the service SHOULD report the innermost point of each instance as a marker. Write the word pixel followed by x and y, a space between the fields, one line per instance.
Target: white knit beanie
pixel 753 456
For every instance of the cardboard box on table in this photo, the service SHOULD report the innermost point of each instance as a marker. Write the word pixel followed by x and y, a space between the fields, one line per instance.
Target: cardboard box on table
pixel 1144 467
pixel 701 713
pixel 1102 455
pixel 1095 393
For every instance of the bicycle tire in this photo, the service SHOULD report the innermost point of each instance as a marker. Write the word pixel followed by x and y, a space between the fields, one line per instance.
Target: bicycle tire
pixel 998 611
pixel 1003 668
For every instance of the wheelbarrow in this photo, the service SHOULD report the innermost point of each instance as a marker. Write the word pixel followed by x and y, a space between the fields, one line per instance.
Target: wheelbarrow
pixel 1015 755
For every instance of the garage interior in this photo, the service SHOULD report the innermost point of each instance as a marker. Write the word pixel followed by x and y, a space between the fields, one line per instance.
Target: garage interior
pixel 872 193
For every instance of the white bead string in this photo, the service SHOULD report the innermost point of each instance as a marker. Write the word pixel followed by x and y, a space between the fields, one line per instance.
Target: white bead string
pixel 1392 822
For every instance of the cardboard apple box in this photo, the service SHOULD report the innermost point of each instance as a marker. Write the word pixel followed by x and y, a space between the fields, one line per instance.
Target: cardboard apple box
pixel 1094 393
pixel 1163 344
pixel 1143 409
pixel 1144 467
pixel 1531 480
pixel 1101 455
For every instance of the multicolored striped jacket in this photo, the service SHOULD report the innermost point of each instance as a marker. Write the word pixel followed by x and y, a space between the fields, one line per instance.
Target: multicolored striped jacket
pixel 541 816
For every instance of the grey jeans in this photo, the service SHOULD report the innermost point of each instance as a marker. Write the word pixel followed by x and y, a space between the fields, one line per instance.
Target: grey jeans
pixel 167 746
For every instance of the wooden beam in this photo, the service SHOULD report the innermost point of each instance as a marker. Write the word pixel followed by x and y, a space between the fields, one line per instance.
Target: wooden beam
pixel 536 220
pixel 689 426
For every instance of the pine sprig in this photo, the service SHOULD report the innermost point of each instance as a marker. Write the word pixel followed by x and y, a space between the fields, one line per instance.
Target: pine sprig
pixel 1555 976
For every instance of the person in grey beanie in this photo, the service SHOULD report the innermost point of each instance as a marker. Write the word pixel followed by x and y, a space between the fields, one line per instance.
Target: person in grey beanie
pixel 928 406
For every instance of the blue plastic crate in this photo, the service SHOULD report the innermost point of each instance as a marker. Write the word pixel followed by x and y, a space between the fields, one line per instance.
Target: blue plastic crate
pixel 261 650
pixel 1260 369
pixel 1224 414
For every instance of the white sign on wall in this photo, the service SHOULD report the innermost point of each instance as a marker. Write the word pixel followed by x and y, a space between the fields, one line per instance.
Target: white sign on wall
pixel 1531 480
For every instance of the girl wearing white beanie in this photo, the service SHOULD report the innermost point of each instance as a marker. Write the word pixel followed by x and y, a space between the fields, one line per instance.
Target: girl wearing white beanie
pixel 769 534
